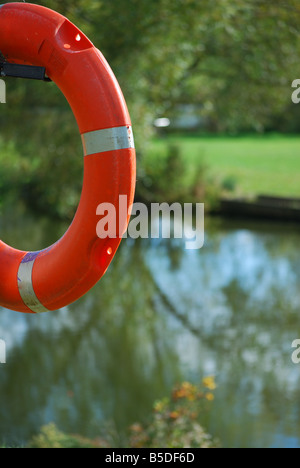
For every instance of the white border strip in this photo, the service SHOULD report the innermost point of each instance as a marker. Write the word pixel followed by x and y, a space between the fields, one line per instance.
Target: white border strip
pixel 25 284
pixel 109 139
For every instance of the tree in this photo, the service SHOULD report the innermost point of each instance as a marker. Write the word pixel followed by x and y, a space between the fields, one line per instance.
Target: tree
pixel 236 59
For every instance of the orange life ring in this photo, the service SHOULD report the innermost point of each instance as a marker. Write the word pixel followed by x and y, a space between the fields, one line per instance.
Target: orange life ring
pixel 42 281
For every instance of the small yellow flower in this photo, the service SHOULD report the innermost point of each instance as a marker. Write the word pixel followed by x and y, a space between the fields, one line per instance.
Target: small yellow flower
pixel 174 415
pixel 209 382
pixel 210 396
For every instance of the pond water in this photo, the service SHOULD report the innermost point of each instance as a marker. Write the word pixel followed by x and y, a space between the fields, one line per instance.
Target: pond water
pixel 161 315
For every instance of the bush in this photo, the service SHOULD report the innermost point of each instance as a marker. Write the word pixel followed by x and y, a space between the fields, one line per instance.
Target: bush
pixel 51 437
pixel 166 177
pixel 174 423
pixel 175 420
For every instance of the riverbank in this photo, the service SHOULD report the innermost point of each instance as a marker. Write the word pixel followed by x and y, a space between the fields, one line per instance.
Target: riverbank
pixel 251 176
pixel 262 207
pixel 244 166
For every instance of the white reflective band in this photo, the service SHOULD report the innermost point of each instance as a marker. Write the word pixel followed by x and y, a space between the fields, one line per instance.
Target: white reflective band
pixel 109 139
pixel 25 283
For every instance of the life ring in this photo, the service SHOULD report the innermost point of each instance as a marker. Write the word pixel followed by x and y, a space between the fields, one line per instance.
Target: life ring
pixel 53 278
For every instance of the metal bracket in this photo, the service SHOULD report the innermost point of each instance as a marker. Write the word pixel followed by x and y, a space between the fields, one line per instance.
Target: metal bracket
pixel 29 72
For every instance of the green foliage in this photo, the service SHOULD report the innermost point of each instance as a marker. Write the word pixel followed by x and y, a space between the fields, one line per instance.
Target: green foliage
pixel 11 169
pixel 174 424
pixel 229 183
pixel 163 176
pixel 51 437
pixel 167 174
pixel 175 420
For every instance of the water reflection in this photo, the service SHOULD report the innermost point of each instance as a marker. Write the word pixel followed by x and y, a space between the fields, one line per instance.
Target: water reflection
pixel 160 315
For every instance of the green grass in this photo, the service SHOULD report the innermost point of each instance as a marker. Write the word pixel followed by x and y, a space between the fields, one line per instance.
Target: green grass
pixel 267 164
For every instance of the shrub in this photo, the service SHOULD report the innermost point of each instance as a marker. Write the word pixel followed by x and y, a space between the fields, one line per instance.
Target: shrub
pixel 165 176
pixel 175 420
pixel 174 423
pixel 51 437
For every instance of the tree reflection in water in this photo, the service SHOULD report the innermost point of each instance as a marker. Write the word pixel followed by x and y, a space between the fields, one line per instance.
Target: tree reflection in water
pixel 159 316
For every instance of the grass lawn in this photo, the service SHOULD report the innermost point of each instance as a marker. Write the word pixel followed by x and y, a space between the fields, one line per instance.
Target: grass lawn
pixel 268 164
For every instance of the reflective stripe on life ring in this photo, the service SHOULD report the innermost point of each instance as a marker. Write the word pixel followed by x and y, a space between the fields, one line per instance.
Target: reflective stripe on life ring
pixel 25 284
pixel 35 282
pixel 109 139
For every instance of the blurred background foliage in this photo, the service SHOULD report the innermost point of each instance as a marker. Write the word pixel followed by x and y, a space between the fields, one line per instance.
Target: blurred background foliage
pixel 235 59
